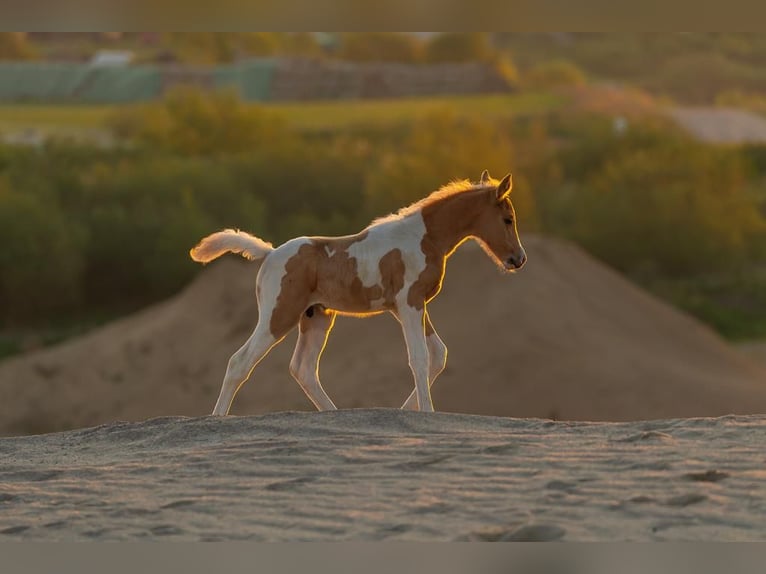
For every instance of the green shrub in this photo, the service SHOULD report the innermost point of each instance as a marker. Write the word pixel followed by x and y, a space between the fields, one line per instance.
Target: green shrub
pixel 699 78
pixel 458 47
pixel 440 148
pixel 380 47
pixel 189 121
pixel 144 214
pixel 554 74
pixel 40 258
pixel 14 46
pixel 677 209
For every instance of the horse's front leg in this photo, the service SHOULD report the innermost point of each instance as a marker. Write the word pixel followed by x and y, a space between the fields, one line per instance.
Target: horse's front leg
pixel 437 360
pixel 413 326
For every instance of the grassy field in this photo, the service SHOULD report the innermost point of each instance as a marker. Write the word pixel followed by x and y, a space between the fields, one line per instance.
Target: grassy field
pixel 361 113
pixel 81 119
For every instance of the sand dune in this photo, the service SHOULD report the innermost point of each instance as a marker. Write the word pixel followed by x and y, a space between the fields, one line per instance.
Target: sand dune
pixel 565 338
pixel 388 475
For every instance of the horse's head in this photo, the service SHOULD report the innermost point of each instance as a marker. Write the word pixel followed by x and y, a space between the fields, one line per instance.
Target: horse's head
pixel 495 227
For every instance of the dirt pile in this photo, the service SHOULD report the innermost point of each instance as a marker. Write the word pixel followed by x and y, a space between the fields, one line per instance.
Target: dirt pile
pixel 566 338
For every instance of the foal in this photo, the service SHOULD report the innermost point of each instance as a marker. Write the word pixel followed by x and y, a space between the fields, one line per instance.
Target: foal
pixel 395 265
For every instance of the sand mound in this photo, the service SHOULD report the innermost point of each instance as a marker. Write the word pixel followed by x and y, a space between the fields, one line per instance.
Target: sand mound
pixel 566 338
pixel 385 474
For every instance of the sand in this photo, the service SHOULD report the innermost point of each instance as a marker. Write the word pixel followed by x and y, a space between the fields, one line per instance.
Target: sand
pixel 388 475
pixel 565 338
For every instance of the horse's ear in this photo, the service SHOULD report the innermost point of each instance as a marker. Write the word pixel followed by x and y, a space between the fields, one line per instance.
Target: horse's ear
pixel 484 177
pixel 504 189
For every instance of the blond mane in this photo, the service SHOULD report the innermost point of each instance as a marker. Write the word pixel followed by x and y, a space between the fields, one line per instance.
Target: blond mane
pixel 451 189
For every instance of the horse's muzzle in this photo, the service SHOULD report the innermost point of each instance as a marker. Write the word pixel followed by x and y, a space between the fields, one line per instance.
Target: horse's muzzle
pixel 516 261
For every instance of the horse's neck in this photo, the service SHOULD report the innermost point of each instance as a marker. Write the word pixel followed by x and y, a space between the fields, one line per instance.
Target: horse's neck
pixel 448 223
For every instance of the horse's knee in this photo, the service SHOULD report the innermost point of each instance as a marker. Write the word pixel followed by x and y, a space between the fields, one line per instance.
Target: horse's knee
pixel 438 354
pixel 295 366
pixel 441 362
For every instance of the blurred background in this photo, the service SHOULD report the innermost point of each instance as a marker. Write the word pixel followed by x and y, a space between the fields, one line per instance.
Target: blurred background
pixel 120 150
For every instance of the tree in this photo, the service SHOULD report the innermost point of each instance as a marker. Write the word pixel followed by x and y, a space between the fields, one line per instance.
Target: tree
pixel 381 47
pixel 438 149
pixel 40 259
pixel 458 47
pixel 15 46
pixel 554 74
pixel 676 208
pixel 191 121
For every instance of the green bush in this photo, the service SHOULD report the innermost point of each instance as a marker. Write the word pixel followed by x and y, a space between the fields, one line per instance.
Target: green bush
pixel 111 227
pixel 458 47
pixel 40 258
pixel 699 78
pixel 554 74
pixel 189 121
pixel 380 47
pixel 144 215
pixel 437 149
pixel 14 46
pixel 656 202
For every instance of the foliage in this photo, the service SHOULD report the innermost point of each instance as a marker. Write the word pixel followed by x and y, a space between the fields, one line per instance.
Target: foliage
pixel 736 98
pixel 87 229
pixel 14 46
pixel 40 259
pixel 734 304
pixel 688 67
pixel 191 122
pixel 554 74
pixel 202 48
pixel 699 78
pixel 682 208
pixel 381 47
pixel 506 68
pixel 437 149
pixel 458 47
pixel 655 201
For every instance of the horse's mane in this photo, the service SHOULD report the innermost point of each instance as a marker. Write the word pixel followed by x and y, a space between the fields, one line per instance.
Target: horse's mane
pixel 449 190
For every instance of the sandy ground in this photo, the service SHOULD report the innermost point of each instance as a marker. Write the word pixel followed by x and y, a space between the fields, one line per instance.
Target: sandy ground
pixel 722 125
pixel 565 338
pixel 385 474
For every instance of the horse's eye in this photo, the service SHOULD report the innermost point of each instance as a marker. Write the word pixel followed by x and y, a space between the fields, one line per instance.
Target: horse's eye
pixel 508 220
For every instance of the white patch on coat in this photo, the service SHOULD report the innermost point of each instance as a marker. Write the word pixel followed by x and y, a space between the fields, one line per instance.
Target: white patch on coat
pixel 404 234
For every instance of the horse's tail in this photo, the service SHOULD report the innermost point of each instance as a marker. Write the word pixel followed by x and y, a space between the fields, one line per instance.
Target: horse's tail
pixel 230 240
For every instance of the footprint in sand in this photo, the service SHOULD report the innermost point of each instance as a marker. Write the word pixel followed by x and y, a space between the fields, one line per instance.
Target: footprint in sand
pixel 166 530
pixel 291 484
pixel 685 500
pixel 14 530
pixel 647 436
pixel 707 476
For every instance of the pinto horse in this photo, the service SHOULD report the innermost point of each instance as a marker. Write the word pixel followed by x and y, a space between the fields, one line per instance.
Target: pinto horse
pixel 395 265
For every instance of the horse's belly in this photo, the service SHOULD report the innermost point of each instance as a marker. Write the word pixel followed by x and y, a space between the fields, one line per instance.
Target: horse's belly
pixel 352 306
pixel 355 298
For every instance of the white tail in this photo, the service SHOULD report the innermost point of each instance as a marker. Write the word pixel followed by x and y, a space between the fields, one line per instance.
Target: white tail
pixel 230 240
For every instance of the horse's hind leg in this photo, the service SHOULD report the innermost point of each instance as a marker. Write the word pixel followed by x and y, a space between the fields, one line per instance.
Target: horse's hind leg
pixel 242 363
pixel 267 333
pixel 437 360
pixel 314 328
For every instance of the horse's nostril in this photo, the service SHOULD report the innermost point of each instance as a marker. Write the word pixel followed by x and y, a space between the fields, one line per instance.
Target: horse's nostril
pixel 517 260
